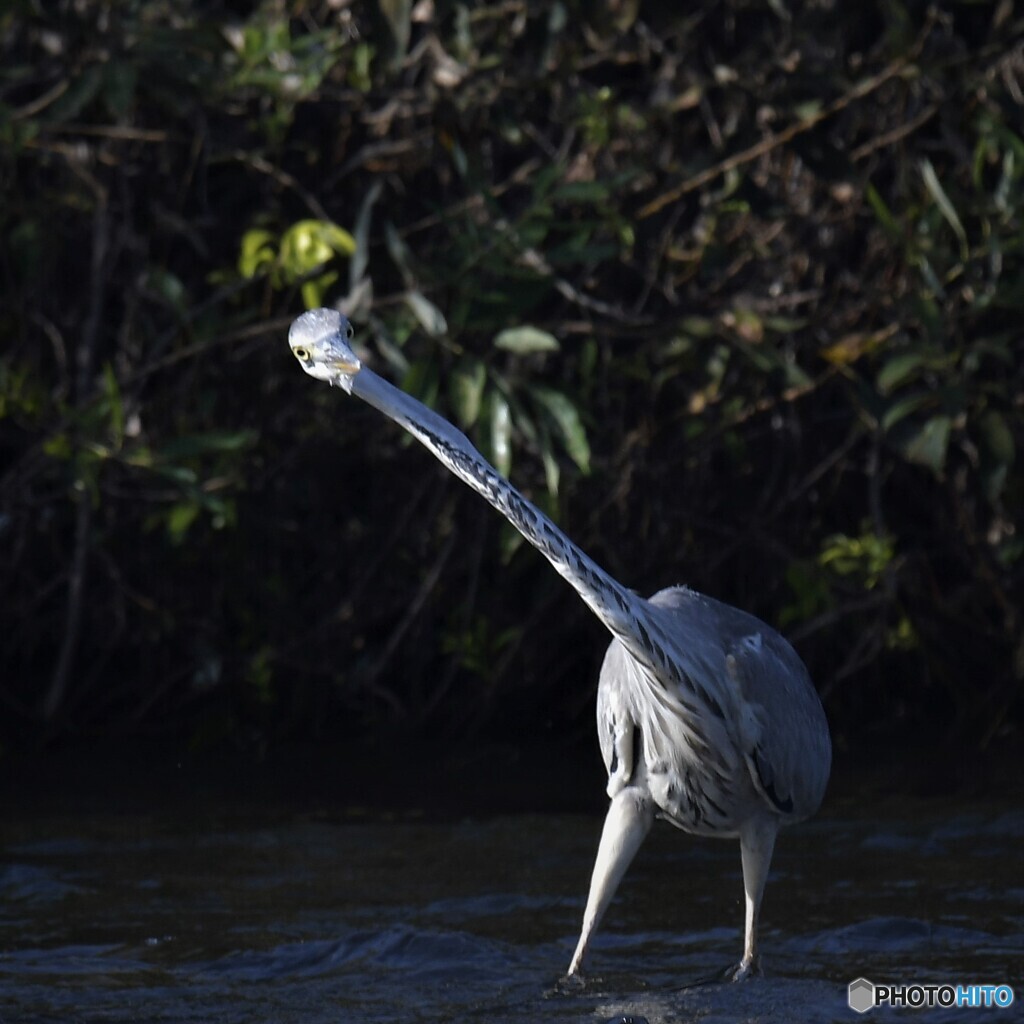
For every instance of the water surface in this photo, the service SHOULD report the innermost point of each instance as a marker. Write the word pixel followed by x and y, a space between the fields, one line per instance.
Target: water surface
pixel 283 917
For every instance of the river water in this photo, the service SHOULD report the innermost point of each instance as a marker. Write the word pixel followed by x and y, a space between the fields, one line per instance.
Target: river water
pixel 272 915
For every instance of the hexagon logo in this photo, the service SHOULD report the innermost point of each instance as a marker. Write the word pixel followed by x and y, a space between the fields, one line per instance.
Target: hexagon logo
pixel 861 995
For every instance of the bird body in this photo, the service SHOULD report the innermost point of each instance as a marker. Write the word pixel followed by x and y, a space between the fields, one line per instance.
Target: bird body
pixel 706 715
pixel 713 756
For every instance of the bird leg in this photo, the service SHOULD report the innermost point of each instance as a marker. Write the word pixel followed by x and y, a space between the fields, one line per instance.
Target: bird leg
pixel 757 841
pixel 626 826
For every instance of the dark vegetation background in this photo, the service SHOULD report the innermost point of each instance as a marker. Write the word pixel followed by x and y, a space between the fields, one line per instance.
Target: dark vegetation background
pixel 733 289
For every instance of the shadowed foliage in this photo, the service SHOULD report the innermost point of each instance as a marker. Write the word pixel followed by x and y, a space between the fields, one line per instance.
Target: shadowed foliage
pixel 734 294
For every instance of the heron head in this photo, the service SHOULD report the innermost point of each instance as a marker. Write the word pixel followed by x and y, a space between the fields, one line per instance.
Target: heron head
pixel 319 339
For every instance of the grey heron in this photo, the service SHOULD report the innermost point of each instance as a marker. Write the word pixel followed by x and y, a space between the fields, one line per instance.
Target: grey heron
pixel 706 716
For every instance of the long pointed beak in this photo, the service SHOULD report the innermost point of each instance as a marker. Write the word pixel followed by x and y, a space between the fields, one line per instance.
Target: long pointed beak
pixel 349 367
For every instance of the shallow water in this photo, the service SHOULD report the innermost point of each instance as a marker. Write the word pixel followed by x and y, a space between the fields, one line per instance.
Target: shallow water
pixel 282 917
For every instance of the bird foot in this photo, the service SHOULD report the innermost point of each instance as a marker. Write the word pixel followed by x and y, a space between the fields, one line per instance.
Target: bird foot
pixel 744 970
pixel 571 983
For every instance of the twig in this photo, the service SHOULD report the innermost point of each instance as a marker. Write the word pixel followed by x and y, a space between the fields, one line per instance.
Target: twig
pixel 84 360
pixel 110 131
pixel 532 259
pixel 444 684
pixel 40 103
pixel 257 163
pixel 829 618
pixel 746 156
pixel 522 173
pixel 894 135
pixel 368 678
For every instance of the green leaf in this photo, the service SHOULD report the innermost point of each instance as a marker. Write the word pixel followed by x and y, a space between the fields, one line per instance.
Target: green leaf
pixel 864 557
pixel 904 407
pixel 997 347
pixel 421 381
pixel 119 81
pixel 400 254
pixel 566 418
pixel 308 244
pixel 699 326
pixel 361 256
pixel 927 444
pixel 191 445
pixel 183 476
pixel 170 287
pixel 796 376
pixel 431 319
pixel 337 238
pixel 116 407
pixel 808 110
pixel 259 674
pixel 898 370
pixel 140 456
pixel 180 518
pixel 785 324
pixel 258 250
pixel 526 340
pixel 552 472
pixel 581 192
pixel 811 592
pixel 882 212
pixel 467 391
pixel 78 95
pixel 947 209
pixel 580 250
pixel 58 446
pixel 398 14
pixel 360 70
pixel 500 423
pixel 314 292
pixel 997 438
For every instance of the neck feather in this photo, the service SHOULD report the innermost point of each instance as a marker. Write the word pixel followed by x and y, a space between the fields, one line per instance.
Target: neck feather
pixel 628 617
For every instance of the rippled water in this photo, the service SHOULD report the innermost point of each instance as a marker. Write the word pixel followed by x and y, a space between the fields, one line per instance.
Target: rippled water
pixel 280 917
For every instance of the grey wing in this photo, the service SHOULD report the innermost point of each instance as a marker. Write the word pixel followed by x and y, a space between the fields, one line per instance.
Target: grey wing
pixel 615 725
pixel 783 733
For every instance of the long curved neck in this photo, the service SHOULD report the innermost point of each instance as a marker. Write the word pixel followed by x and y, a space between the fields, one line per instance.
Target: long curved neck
pixel 626 615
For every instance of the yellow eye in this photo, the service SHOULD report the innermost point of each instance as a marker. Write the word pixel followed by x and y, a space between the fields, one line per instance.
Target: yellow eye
pixel 301 353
